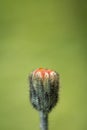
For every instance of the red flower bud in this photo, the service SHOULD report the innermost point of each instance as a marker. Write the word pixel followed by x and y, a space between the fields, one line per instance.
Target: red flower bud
pixel 44 86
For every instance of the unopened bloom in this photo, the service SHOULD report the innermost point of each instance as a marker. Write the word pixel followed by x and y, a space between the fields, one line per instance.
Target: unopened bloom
pixel 44 86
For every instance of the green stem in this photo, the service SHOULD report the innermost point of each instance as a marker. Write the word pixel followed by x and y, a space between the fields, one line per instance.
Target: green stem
pixel 43 120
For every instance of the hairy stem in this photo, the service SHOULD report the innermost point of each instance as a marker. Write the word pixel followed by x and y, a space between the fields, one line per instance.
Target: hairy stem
pixel 43 120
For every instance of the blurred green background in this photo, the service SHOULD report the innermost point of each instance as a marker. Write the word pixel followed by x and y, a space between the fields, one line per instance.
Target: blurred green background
pixel 50 34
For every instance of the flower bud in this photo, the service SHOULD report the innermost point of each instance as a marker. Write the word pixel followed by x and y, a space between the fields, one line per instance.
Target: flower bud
pixel 44 86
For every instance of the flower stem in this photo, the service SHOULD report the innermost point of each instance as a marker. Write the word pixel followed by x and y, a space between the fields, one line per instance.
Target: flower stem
pixel 43 120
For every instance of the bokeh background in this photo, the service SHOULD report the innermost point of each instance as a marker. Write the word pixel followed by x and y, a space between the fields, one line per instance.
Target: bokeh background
pixel 50 34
